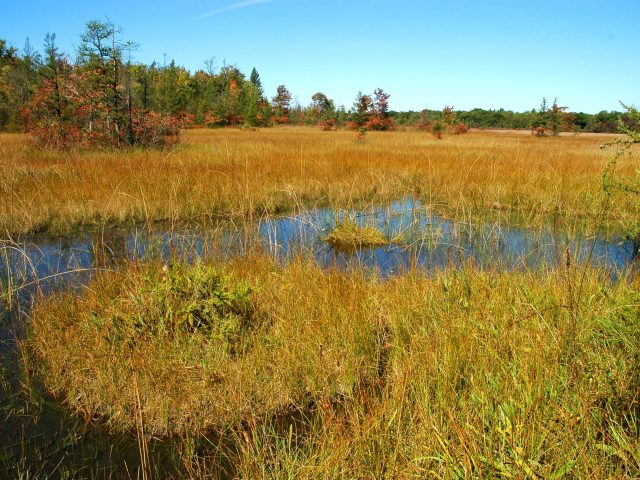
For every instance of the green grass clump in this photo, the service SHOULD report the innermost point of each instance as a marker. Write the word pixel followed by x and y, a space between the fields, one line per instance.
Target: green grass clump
pixel 349 235
pixel 180 301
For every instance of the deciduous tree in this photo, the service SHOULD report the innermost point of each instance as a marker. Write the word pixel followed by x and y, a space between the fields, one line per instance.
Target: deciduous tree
pixel 282 104
pixel 91 103
pixel 361 111
pixel 379 118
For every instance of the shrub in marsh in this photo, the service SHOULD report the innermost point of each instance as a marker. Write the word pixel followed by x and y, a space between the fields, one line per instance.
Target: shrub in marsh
pixel 328 124
pixel 152 129
pixel 371 112
pixel 360 136
pixel 460 128
pixel 379 123
pixel 182 300
pixel 195 348
pixel 438 128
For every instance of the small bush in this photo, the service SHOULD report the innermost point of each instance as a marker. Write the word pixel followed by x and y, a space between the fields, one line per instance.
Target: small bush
pixel 328 124
pixel 379 123
pixel 188 300
pixel 360 135
pixel 350 125
pixel 460 128
pixel 438 128
pixel 539 132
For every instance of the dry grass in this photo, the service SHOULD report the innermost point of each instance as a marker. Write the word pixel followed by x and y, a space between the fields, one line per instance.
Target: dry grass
pixel 348 235
pixel 488 377
pixel 291 346
pixel 463 375
pixel 245 173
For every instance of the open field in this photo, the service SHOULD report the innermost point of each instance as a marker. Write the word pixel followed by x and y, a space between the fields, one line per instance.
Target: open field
pixel 242 173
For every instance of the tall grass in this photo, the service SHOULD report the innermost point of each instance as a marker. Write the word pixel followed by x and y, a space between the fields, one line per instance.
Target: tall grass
pixel 244 174
pixel 235 349
pixel 465 374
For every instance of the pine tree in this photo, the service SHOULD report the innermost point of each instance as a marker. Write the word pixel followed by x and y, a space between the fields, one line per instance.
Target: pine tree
pixel 254 78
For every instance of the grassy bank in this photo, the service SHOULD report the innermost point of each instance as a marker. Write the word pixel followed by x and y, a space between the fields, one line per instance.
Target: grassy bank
pixel 240 173
pixel 463 374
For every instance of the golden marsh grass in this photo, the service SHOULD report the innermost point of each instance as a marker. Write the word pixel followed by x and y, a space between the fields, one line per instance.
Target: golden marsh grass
pixel 459 373
pixel 466 374
pixel 228 172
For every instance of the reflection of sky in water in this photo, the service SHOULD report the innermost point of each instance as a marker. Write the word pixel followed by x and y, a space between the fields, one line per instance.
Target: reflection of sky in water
pixel 432 242
pixel 429 242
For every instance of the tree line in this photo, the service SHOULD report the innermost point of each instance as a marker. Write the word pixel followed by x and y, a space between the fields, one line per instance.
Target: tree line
pixel 104 98
pixel 601 122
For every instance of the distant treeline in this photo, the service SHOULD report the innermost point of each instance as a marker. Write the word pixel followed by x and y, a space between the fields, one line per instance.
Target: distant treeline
pixel 602 122
pixel 103 97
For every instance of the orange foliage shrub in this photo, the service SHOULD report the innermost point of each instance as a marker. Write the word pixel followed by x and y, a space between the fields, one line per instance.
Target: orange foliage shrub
pixel 460 128
pixel 328 124
pixel 71 112
pixel 379 123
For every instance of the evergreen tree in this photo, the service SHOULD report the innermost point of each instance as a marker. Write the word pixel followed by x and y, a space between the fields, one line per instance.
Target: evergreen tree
pixel 555 117
pixel 254 78
pixel 361 109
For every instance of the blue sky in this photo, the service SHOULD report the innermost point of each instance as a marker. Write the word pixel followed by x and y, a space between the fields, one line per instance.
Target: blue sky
pixel 466 53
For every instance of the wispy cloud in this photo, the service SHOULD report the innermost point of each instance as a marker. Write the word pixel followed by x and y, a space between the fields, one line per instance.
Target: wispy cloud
pixel 232 6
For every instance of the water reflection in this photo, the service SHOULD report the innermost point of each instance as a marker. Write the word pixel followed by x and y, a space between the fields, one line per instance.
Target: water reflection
pixel 427 241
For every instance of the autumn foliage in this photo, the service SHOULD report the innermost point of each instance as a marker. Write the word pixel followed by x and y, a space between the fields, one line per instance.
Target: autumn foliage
pixel 91 103
pixel 460 128
pixel 69 113
pixel 442 122
pixel 371 112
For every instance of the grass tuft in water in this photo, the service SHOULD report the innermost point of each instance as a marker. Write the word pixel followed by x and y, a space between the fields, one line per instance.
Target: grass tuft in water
pixel 348 235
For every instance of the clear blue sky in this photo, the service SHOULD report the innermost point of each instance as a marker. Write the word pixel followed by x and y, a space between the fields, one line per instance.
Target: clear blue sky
pixel 466 53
